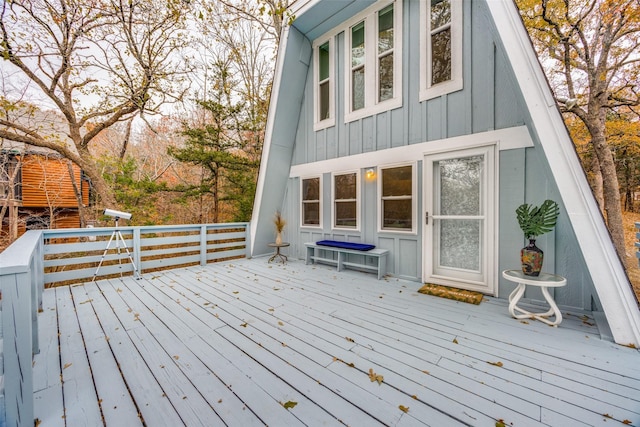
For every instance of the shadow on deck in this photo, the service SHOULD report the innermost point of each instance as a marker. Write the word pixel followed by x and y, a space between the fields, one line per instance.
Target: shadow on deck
pixel 249 343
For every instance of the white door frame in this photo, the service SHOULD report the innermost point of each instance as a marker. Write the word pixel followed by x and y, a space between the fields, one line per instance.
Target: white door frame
pixel 489 280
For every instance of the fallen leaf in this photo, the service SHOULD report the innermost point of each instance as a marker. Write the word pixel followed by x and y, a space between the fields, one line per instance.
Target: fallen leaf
pixel 414 397
pixel 84 302
pixel 236 292
pixel 349 339
pixel 375 377
pixel 244 325
pixel 36 422
pixel 498 364
pixel 455 341
pixel 271 309
pixel 280 324
pixel 500 423
pixel 176 357
pixel 425 372
pixel 524 322
pixel 66 365
pixel 626 422
pixel 290 404
pixel 403 408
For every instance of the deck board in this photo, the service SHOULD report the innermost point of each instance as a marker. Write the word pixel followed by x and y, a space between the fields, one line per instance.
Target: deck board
pixel 231 343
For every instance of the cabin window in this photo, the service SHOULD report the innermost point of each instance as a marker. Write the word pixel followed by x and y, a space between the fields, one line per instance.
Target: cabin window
pixel 345 200
pixel 324 90
pixel 311 192
pixel 373 77
pixel 397 198
pixel 440 47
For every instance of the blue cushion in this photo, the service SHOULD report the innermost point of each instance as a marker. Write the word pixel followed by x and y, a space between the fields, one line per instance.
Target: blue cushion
pixel 346 245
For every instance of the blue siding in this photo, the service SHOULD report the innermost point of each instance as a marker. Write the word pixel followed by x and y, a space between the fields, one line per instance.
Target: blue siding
pixel 491 100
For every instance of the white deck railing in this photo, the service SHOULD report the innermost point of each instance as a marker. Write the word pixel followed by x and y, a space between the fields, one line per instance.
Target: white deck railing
pixel 47 257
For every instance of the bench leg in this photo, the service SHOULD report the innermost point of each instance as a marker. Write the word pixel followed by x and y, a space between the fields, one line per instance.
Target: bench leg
pixel 308 259
pixel 340 259
pixel 382 266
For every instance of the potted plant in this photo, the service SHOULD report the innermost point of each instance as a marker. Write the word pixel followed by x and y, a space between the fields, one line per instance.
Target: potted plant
pixel 279 223
pixel 535 221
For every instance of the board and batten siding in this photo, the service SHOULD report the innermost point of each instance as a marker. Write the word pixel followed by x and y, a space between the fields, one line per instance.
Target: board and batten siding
pixel 490 100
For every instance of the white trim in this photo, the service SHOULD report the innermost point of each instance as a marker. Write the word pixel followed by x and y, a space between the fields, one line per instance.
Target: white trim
pixel 507 139
pixel 268 135
pixel 428 91
pixel 320 197
pixel 414 196
pixel 371 104
pixel 334 227
pixel 605 268
pixel 331 121
pixel 490 246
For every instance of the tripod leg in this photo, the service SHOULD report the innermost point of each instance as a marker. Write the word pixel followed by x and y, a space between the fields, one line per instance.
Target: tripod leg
pixel 104 254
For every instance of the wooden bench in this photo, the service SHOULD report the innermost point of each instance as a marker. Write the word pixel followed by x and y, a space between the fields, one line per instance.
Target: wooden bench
pixel 379 255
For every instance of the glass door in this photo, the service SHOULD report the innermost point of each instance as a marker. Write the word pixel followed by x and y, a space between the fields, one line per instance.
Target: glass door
pixel 460 219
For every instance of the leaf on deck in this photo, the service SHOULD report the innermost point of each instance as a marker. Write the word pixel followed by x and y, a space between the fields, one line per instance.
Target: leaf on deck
pixel 66 365
pixel 176 357
pixel 375 377
pixel 118 290
pixel 404 409
pixel 498 364
pixel 455 341
pixel 89 300
pixel 244 325
pixel 425 372
pixel 280 324
pixel 289 404
pixel 349 339
pixel 236 292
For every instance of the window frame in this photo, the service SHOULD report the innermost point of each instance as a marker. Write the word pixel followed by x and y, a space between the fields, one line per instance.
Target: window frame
pixel 427 90
pixel 414 201
pixel 334 201
pixel 371 104
pixel 319 124
pixel 319 201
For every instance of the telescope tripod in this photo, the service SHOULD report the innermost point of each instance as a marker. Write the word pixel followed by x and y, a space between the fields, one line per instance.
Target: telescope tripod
pixel 117 235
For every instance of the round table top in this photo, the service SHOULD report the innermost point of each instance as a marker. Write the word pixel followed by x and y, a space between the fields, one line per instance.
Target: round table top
pixel 278 245
pixel 544 279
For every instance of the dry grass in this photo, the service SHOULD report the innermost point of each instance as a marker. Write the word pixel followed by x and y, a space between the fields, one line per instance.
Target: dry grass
pixel 633 269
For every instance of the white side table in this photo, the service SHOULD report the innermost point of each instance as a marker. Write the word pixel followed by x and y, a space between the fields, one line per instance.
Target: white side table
pixel 544 281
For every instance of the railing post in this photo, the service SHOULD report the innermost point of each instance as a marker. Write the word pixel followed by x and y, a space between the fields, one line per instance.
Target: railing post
pixel 203 244
pixel 247 239
pixel 137 248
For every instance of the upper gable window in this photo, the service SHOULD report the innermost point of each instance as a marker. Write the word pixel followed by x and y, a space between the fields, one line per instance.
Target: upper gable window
pixel 373 78
pixel 440 47
pixel 324 84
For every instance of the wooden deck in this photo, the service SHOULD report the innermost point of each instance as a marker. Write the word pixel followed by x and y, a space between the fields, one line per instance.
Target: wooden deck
pixel 249 343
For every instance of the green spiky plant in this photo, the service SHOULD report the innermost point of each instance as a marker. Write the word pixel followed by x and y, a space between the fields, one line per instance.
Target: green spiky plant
pixel 537 220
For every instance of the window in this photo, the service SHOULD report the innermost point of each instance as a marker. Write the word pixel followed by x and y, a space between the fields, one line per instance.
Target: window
pixel 324 89
pixel 440 47
pixel 311 192
pixel 346 208
pixel 397 201
pixel 373 77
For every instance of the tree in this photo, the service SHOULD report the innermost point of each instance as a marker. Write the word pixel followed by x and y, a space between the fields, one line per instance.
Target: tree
pixel 591 51
pixel 97 62
pixel 218 147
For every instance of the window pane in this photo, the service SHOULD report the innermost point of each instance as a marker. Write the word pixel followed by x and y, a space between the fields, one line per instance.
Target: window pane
pixel 311 189
pixel 346 214
pixel 357 45
pixel 357 87
pixel 440 13
pixel 386 78
pixel 311 213
pixel 385 29
pixel 460 182
pixel 323 58
pixel 460 244
pixel 441 56
pixel 397 181
pixel 324 101
pixel 345 186
pixel 396 214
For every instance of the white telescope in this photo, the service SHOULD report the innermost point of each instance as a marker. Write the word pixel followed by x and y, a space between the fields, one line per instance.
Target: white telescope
pixel 117 214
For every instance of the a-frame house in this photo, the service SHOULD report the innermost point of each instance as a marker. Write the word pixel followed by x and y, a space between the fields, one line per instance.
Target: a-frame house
pixel 419 126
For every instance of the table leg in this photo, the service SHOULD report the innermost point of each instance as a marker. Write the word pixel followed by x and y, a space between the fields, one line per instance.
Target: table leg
pixel 517 294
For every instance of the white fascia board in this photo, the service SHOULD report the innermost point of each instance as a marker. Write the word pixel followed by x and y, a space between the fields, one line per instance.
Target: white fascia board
pixel 505 139
pixel 607 272
pixel 300 7
pixel 267 148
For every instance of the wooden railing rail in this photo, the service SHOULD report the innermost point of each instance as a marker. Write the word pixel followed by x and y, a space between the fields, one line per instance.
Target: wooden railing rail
pixel 65 256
